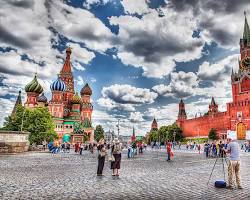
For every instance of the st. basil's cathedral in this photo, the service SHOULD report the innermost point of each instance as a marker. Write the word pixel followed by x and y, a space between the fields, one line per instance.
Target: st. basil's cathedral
pixel 236 119
pixel 71 112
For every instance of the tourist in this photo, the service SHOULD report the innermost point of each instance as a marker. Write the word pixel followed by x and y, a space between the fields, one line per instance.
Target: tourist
pixel 168 150
pixel 101 156
pixel 68 147
pixel 179 143
pixel 199 148
pixel 234 163
pixel 44 144
pixel 116 151
pixel 134 149
pixel 206 149
pixel 221 146
pixel 63 147
pixel 76 147
pixel 129 149
pixel 140 147
pixel 81 148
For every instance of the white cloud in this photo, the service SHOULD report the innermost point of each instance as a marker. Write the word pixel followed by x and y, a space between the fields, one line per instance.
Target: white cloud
pixel 125 97
pixel 88 3
pixel 136 117
pixel 127 94
pixel 81 26
pixel 155 43
pixel 218 71
pixel 182 84
pixel 110 105
pixel 80 54
pixel 133 7
pixel 6 106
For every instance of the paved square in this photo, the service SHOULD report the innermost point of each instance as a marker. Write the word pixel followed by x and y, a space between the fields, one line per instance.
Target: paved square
pixel 147 176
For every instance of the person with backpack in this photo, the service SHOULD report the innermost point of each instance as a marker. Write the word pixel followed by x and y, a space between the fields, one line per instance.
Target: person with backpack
pixel 116 151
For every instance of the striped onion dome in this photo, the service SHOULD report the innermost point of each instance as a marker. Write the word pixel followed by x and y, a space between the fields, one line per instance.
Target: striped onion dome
pixel 42 98
pixel 58 85
pixel 34 86
pixel 86 90
pixel 76 99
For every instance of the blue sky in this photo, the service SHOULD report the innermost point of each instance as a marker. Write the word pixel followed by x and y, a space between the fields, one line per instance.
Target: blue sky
pixel 139 57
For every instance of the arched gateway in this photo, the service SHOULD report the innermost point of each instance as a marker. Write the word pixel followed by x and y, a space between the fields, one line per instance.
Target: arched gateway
pixel 241 131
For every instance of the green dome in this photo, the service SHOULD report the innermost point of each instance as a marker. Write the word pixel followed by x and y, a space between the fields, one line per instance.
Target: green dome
pixel 34 86
pixel 76 99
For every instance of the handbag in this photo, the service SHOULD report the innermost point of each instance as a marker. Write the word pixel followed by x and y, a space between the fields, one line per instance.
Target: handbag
pixel 111 158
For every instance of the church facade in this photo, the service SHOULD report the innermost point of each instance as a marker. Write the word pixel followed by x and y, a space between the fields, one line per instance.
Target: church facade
pixel 237 116
pixel 72 113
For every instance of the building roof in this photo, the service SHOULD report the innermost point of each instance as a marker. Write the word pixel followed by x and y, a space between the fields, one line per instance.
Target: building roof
pixel 67 64
pixel 86 90
pixel 34 86
pixel 58 85
pixel 42 98
pixel 18 102
pixel 213 102
pixel 246 33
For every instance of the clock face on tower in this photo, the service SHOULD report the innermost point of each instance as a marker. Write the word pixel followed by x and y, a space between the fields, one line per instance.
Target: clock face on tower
pixel 246 63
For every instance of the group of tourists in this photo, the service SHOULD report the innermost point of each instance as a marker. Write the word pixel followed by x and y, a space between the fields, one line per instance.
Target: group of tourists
pixel 214 149
pixel 113 153
pixel 245 146
pixel 134 148
pixel 80 146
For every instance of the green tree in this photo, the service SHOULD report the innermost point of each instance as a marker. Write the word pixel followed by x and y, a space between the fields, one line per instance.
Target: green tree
pixel 14 123
pixel 153 136
pixel 212 135
pixel 174 129
pixel 163 134
pixel 99 133
pixel 37 121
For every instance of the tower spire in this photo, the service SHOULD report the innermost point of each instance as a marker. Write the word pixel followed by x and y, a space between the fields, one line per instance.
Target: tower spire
pixel 182 112
pixel 67 64
pixel 18 102
pixel 246 33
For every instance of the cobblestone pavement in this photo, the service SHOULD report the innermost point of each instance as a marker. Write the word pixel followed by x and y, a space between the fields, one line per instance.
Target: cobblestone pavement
pixel 147 176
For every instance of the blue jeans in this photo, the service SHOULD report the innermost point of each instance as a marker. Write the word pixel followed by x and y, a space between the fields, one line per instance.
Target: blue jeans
pixel 129 153
pixel 168 158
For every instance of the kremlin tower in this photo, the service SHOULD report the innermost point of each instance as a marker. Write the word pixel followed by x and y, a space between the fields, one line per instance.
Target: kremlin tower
pixel 154 125
pixel 236 119
pixel 69 111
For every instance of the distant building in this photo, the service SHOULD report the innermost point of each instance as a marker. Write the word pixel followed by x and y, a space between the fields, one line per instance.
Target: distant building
pixel 237 116
pixel 154 125
pixel 69 110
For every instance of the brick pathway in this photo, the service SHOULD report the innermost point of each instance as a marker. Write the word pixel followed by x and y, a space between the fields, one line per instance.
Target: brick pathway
pixel 147 176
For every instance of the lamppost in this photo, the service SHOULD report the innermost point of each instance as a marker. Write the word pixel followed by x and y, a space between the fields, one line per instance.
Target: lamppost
pixel 22 120
pixel 118 127
pixel 174 134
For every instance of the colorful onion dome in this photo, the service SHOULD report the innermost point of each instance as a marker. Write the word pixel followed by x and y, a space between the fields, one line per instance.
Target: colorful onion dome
pixel 86 90
pixel 34 86
pixel 58 85
pixel 42 98
pixel 76 99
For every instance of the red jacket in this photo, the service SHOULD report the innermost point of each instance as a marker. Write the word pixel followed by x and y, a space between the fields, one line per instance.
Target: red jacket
pixel 169 148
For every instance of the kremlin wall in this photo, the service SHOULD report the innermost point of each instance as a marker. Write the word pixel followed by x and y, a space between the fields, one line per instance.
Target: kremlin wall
pixel 235 121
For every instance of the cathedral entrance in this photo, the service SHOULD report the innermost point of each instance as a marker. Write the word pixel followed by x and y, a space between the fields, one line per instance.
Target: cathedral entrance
pixel 241 131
